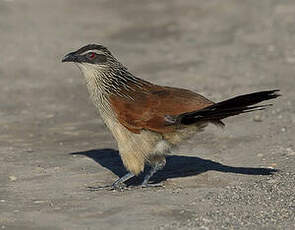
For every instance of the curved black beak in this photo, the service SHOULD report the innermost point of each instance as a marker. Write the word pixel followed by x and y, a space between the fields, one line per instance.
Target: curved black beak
pixel 71 57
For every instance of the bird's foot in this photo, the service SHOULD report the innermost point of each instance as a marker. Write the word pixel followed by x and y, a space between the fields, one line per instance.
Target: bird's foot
pixel 112 187
pixel 118 185
pixel 123 187
pixel 157 185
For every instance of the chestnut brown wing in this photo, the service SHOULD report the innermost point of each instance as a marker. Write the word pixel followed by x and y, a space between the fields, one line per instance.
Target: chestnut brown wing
pixel 147 108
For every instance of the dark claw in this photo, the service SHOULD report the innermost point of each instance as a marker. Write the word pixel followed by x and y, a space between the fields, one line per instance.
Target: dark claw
pixel 113 187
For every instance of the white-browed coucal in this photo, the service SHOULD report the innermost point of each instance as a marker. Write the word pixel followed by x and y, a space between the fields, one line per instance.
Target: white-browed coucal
pixel 146 119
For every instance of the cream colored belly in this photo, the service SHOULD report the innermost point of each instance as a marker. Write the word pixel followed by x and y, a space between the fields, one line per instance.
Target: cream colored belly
pixel 147 146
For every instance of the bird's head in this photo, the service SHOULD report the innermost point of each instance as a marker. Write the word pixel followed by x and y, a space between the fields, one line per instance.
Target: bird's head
pixel 91 58
pixel 100 68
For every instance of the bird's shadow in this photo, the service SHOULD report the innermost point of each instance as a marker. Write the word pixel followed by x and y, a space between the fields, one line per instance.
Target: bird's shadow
pixel 176 166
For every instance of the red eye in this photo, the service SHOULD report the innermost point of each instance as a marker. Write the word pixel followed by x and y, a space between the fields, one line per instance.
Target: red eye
pixel 91 55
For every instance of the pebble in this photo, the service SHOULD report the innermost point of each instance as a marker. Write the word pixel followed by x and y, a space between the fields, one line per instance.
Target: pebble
pixel 260 155
pixel 29 150
pixel 290 152
pixel 271 48
pixel 272 181
pixel 39 202
pixel 257 118
pixel 206 220
pixel 12 178
pixel 50 116
pixel 290 60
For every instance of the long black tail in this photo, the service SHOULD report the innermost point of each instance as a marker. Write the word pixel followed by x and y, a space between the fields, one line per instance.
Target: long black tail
pixel 230 107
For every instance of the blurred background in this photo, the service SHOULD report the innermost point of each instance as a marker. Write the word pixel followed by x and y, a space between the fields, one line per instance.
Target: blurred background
pixel 217 48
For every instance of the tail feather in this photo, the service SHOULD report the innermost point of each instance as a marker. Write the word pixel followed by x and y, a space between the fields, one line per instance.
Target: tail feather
pixel 230 107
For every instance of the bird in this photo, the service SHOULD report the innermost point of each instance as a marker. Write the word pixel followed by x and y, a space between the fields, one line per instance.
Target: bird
pixel 148 120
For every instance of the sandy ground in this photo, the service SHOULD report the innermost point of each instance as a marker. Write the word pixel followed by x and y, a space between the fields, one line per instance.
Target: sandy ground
pixel 53 145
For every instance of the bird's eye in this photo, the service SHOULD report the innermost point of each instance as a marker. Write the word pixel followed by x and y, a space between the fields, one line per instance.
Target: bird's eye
pixel 91 55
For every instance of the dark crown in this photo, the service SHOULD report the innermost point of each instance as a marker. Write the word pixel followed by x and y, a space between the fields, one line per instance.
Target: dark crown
pixel 93 47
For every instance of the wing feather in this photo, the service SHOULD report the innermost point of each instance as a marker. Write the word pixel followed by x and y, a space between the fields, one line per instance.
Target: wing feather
pixel 149 107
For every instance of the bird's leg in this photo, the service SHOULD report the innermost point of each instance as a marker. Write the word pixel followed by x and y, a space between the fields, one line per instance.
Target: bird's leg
pixel 156 167
pixel 119 183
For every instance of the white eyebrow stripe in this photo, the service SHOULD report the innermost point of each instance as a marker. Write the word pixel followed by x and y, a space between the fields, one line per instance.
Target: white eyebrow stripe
pixel 88 51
